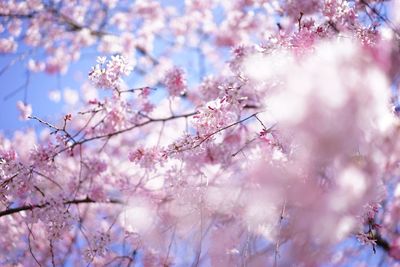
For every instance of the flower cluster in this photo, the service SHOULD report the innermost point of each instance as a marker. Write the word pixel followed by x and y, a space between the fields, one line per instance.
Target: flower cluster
pixel 108 73
pixel 146 158
pixel 213 116
pixel 175 81
pixel 25 110
pixel 98 246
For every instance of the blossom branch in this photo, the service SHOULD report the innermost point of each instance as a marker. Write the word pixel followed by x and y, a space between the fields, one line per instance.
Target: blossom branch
pixel 224 128
pixel 112 134
pixel 75 202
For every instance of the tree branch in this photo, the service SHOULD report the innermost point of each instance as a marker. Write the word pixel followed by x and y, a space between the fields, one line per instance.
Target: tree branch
pixel 74 201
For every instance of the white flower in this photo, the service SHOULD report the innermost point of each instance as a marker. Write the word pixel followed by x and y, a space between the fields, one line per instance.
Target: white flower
pixel 25 110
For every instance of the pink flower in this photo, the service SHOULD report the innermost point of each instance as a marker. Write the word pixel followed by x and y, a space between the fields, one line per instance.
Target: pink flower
pixel 35 66
pixel 146 158
pixel 8 155
pixel 8 45
pixel 98 246
pixel 296 7
pixel 213 116
pixel 394 250
pixel 175 81
pixel 108 74
pixel 25 110
pixel 97 193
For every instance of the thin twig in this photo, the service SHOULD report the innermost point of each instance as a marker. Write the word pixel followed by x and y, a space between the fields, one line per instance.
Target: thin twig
pixel 224 128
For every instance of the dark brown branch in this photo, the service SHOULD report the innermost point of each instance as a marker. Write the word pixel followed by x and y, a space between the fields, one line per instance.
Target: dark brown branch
pixel 382 243
pixel 19 16
pixel 146 122
pixel 68 202
pixel 55 128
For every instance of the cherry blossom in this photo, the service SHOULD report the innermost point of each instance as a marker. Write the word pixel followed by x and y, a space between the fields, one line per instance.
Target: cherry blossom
pixel 207 133
pixel 175 82
pixel 24 109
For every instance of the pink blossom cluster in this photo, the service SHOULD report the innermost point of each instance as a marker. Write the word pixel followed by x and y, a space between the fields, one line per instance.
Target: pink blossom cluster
pixel 108 74
pixel 213 116
pixel 175 81
pixel 98 246
pixel 8 45
pixel 24 109
pixel 146 158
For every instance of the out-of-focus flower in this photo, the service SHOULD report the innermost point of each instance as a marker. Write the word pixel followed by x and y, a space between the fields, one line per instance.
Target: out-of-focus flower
pixel 25 110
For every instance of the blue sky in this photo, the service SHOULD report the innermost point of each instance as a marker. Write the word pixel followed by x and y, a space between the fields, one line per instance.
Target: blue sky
pixel 37 91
